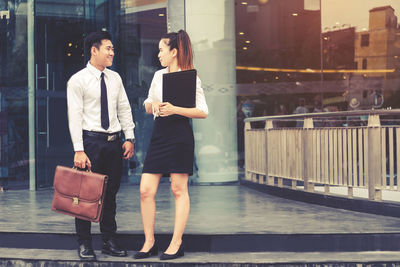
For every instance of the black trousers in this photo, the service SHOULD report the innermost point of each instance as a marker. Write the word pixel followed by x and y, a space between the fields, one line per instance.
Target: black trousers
pixel 106 158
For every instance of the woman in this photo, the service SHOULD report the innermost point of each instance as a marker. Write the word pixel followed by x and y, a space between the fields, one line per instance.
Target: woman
pixel 171 148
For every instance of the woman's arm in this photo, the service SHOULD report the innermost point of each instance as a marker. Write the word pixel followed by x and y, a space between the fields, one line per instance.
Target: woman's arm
pixel 148 107
pixel 153 107
pixel 151 104
pixel 167 109
pixel 199 112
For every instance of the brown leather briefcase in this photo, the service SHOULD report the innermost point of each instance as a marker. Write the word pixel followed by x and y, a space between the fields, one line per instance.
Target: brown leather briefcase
pixel 79 193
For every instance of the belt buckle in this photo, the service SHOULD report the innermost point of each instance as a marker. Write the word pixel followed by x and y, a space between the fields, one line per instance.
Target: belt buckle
pixel 111 138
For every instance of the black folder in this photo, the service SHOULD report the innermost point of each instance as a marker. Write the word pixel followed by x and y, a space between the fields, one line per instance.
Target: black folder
pixel 179 88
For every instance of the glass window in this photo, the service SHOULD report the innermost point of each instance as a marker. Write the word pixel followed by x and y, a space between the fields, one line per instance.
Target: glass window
pixel 14 167
pixel 365 40
pixel 141 30
pixel 298 56
pixel 60 28
pixel 364 64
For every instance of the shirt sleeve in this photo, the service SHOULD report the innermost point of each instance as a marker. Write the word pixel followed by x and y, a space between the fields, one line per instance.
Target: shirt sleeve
pixel 125 112
pixel 152 91
pixel 200 97
pixel 75 113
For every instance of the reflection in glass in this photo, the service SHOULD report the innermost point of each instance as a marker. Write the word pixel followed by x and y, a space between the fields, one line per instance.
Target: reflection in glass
pixel 297 56
pixel 13 95
pixel 138 61
pixel 370 38
pixel 60 29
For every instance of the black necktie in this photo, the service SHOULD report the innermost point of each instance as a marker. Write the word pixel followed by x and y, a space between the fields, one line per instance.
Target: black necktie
pixel 105 122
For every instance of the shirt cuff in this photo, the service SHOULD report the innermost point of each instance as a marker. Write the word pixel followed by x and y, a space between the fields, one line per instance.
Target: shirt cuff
pixel 148 100
pixel 78 147
pixel 129 134
pixel 204 109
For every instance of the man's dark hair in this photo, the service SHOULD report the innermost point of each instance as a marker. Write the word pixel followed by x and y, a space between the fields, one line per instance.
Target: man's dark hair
pixel 94 39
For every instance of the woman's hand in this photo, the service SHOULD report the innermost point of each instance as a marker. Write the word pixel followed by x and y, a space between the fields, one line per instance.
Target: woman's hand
pixel 155 106
pixel 167 109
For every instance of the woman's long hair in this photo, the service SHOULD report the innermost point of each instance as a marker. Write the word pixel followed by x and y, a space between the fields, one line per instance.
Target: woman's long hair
pixel 181 41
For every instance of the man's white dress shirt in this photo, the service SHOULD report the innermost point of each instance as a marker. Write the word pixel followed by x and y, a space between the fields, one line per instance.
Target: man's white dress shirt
pixel 83 98
pixel 155 91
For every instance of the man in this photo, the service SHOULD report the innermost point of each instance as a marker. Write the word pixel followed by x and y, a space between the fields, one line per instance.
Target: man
pixel 98 109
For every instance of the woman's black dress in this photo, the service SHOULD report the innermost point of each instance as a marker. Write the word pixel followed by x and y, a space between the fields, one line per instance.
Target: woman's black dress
pixel 171 147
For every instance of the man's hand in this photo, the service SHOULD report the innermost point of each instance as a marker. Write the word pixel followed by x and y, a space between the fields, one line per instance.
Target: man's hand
pixel 128 148
pixel 166 109
pixel 81 160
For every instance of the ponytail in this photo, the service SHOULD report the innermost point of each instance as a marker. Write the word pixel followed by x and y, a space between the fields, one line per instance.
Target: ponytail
pixel 181 41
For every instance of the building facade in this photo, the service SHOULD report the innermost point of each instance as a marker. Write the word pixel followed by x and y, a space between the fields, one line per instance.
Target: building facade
pixel 255 58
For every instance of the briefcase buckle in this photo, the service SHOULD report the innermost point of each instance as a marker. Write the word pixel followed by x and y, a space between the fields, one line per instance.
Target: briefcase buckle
pixel 111 138
pixel 76 201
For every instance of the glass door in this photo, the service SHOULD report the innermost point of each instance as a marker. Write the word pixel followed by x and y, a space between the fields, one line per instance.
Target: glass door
pixel 59 29
pixel 14 139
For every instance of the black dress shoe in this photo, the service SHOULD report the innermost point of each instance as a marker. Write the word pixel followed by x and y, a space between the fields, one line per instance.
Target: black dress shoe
pixel 178 254
pixel 86 253
pixel 110 247
pixel 152 252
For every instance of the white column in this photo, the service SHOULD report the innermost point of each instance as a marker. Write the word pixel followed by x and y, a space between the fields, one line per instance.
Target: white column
pixel 211 27
pixel 176 15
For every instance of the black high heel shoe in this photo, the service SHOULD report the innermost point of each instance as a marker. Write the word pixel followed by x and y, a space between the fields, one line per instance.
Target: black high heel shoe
pixel 179 253
pixel 142 255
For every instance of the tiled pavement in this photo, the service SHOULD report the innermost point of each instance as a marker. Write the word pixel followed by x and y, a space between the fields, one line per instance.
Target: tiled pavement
pixel 214 210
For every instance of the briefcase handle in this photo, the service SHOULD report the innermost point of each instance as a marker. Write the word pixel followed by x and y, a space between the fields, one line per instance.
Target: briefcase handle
pixel 80 169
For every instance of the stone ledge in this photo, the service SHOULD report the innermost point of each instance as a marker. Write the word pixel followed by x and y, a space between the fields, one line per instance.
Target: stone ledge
pixel 37 257
pixel 221 243
pixel 385 208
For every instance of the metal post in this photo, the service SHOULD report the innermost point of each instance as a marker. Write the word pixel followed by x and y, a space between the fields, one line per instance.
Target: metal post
pixel 308 124
pixel 247 127
pixel 270 180
pixel 374 158
pixel 31 92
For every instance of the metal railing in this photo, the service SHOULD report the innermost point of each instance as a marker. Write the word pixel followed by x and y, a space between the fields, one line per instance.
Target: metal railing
pixel 334 152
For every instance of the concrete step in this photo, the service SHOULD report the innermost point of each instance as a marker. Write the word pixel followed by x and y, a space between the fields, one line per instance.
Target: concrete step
pixel 256 242
pixel 49 258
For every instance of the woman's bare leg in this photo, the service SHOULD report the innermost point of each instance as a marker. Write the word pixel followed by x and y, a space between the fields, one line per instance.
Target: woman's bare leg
pixel 148 189
pixel 179 187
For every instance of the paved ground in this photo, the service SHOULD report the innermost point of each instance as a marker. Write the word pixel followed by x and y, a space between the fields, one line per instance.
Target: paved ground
pixel 214 210
pixel 203 258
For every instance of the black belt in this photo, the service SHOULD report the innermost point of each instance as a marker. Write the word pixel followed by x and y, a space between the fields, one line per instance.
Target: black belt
pixel 109 137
